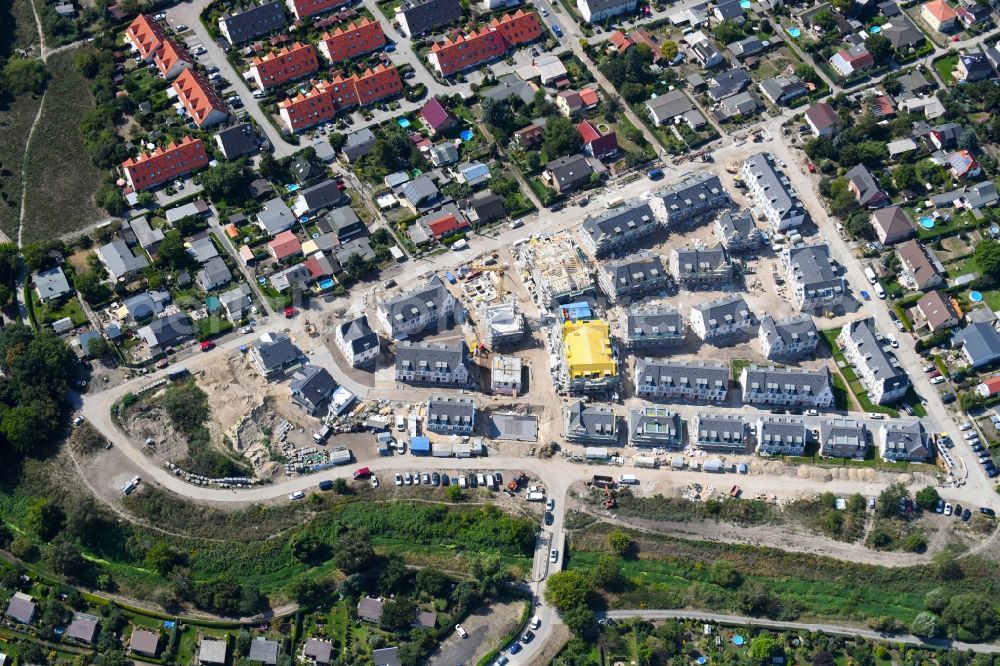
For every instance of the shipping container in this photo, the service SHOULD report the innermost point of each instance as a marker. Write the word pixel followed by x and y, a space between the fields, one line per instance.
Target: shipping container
pixel 603 481
pixel 340 456
pixel 535 497
pixel 597 453
pixel 648 462
pixel 442 450
pixel 628 479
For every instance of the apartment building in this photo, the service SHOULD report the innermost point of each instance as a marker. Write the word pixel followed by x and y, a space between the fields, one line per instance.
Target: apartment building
pixel 697 266
pixel 787 387
pixel 773 193
pixel 862 346
pixel 787 338
pixel 618 229
pixel 781 436
pixel 689 199
pixel 322 103
pixel 432 363
pixel 302 9
pixel 650 329
pixel 652 426
pixel 720 432
pixel 350 41
pixel 425 309
pixel 814 277
pixel 638 274
pixel 287 64
pixel 721 320
pixel 697 381
pixel 200 100
pixel 148 170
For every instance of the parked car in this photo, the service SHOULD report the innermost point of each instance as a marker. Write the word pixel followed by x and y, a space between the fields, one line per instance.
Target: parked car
pixel 964 426
pixel 407 479
pixel 515 648
pixel 550 504
pixel 934 373
pixel 399 479
pixel 537 622
pixel 435 479
pixel 958 510
pixel 966 515
pixel 937 380
pixel 374 482
pixel 987 511
pixel 553 555
pixel 297 495
pixel 528 636
pixel 460 630
pixel 970 436
pixel 947 509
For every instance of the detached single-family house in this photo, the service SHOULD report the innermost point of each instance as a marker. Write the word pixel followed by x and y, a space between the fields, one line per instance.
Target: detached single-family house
pixel 118 259
pixel 144 642
pixel 274 354
pixel 213 274
pixel 822 119
pixel 275 217
pixel 920 272
pixel 936 311
pixel 436 116
pixel 852 60
pixel 980 343
pixel 284 245
pixel 569 173
pixel 892 225
pixel 322 195
pixel 939 15
pixel 587 423
pixel 865 188
pixel 51 284
pixel 311 387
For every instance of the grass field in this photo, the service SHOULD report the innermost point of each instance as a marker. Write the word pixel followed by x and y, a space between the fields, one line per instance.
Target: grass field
pixel 59 178
pixel 17 26
pixel 15 121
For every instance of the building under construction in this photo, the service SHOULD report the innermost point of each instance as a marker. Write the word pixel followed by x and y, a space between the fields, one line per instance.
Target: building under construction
pixel 560 270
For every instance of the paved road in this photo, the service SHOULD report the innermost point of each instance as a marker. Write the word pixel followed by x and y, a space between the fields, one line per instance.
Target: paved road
pixel 833 629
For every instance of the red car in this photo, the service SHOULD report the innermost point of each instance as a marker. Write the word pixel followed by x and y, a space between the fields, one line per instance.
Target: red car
pixel 934 373
pixel 206 345
pixel 289 312
pixel 811 167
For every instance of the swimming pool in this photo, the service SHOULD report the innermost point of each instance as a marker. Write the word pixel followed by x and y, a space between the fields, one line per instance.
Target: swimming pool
pixel 927 222
pixel 292 187
pixel 975 296
pixel 795 33
pixel 745 4
pixel 212 303
pixel 466 135
pixel 404 122
pixel 326 283
pixel 875 29
pixel 737 640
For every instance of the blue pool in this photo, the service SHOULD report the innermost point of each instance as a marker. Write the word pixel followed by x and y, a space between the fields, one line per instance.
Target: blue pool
pixel 745 4
pixel 466 135
pixel 975 296
pixel 737 640
pixel 326 283
pixel 212 303
pixel 795 33
pixel 875 29
pixel 404 122
pixel 292 187
pixel 927 222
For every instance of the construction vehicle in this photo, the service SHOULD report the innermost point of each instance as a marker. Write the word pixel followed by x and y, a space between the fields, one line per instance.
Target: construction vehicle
pixel 516 481
pixel 610 502
pixel 311 330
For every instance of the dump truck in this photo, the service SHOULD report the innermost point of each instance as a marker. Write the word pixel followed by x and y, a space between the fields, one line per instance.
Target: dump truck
pixel 602 481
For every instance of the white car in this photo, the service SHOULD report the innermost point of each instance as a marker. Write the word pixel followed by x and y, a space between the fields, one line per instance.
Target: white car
pixel 965 426
pixel 160 17
pixel 407 479
pixel 947 509
pixel 970 436
pixel 553 555
pixel 535 623
pixel 246 330
pixel 297 495
pixel 937 380
pixel 399 479
pixel 812 412
pixel 550 504
pixel 374 482
pixel 892 341
pixel 78 420
pixel 460 630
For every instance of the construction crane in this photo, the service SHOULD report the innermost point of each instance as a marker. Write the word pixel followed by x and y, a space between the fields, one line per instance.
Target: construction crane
pixel 500 271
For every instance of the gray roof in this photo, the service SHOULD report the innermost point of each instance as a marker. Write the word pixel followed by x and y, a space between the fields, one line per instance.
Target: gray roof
pixel 255 21
pixel 740 104
pixel 813 268
pixel 948 134
pixel 914 81
pixel 310 386
pixel 143 641
pixel 388 656
pixel 236 300
pixel 630 273
pixel 618 221
pixel 781 431
pixel 237 140
pixel 484 208
pixel 893 220
pixel 411 304
pixel 450 356
pixel 359 334
pixel 275 216
pixel 51 283
pixel 278 352
pixel 418 191
pixel 737 228
pixel 444 153
pixel 428 16
pixel 147 236
pixel 981 195
pixel 359 143
pixel 213 274
pixel 746 47
pixel 691 190
pixel 588 421
pixel 166 331
pixel 725 309
pixel 682 374
pixel 119 259
pixel 843 438
pixel 901 32
pixel 516 427
pixel 670 104
pixel 696 259
pixel 976 65
pixel 706 52
pixel 370 609
pixel 782 195
pixel 981 342
pixel 341 221
pixel 715 430
pixel 146 304
pixel 357 246
pixel 510 86
pixel 571 170
pixel 212 651
pixel 649 323
pixel 448 411
pixel 783 88
pixel 905 437
pixel 597 6
pixel 262 649
pixel 655 426
pixel 318 650
pixel 21 608
pixel 729 9
pixel 868 188
pixel 321 195
pixel 787 381
pixel 202 249
pixel 291 276
pixel 862 334
pixel 728 83
pixel 790 330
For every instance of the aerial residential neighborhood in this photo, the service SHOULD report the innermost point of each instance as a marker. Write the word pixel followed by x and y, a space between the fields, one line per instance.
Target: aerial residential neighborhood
pixel 436 332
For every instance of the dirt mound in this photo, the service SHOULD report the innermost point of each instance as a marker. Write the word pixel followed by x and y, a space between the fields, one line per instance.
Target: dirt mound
pixel 234 389
pixel 151 423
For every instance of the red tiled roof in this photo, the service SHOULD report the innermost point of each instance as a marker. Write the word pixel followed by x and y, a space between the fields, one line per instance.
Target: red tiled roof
pixel 620 41
pixel 940 10
pixel 304 8
pixel 151 169
pixel 518 28
pixel 446 225
pixel 992 385
pixel 284 245
pixel 328 97
pixel 490 42
pixel 587 132
pixel 169 55
pixel 288 64
pixel 590 97
pixel 357 38
pixel 198 96
pixel 145 34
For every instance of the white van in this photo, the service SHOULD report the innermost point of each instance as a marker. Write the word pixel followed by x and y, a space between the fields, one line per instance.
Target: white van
pixel 628 479
pixel 870 274
pixel 400 422
pixel 490 483
pixel 297 495
pixel 879 291
pixel 459 245
pixel 480 480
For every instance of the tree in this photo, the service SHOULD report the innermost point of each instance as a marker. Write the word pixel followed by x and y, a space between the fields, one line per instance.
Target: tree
pixel 806 73
pixel 987 255
pixel 936 600
pixel 580 620
pixel 880 47
pixel 489 571
pixel 496 112
pixel 763 646
pixel 353 552
pixel 925 624
pixel 728 32
pixel 171 253
pixel 927 498
pixel 36 256
pixel 822 658
pixel 163 558
pixel 971 616
pixel 87 63
pixel 307 591
pixel 228 182
pixel 844 6
pixel 890 498
pixel 399 613
pixel 724 574
pixel 393 575
pixel 24 75
pixel 272 170
pixel 969 139
pixel 904 177
pixel 668 49
pixel 98 347
pixel 454 493
pixel 560 137
pixel 65 558
pixel 44 519
pixel 308 548
pixel 352 586
pixel 431 582
pixel 620 542
pixel 607 572
pixel 568 589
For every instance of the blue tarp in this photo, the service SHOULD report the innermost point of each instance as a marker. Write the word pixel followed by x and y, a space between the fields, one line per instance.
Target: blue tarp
pixel 420 446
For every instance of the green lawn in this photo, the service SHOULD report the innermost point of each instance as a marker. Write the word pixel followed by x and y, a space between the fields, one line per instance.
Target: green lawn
pixel 56 310
pixel 945 66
